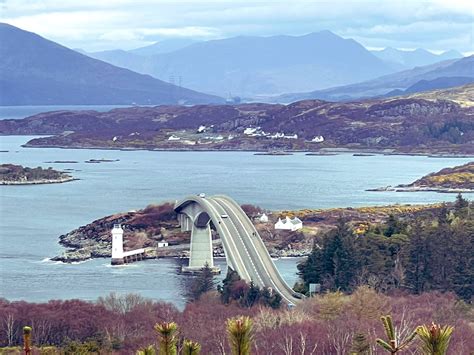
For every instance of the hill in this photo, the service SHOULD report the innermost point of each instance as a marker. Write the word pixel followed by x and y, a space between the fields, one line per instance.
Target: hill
pixel 433 122
pixel 249 66
pixel 389 83
pixel 36 71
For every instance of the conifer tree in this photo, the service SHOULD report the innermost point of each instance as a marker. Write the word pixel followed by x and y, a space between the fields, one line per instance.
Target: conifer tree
pixel 167 338
pixel 434 339
pixel 239 332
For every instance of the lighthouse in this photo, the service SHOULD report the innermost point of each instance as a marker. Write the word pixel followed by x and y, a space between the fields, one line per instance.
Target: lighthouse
pixel 117 245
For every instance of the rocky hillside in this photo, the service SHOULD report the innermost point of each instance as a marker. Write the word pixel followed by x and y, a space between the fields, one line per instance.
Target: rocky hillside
pixel 459 178
pixel 440 121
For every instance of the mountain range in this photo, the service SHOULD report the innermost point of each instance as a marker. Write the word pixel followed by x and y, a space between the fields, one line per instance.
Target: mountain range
pixel 249 66
pixel 440 75
pixel 36 71
pixel 405 59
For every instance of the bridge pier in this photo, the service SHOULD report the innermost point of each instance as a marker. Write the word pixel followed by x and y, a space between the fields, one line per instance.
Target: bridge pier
pixel 197 221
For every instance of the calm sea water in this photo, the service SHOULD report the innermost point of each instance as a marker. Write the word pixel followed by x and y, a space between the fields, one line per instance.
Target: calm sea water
pixel 32 217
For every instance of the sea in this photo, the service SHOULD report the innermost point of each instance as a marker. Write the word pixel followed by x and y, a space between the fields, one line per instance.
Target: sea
pixel 32 217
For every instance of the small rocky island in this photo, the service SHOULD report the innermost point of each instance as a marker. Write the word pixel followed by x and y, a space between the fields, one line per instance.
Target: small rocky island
pixel 458 179
pixel 11 174
pixel 155 228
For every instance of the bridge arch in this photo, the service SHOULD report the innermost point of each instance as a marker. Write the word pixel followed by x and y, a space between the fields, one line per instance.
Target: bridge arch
pixel 244 249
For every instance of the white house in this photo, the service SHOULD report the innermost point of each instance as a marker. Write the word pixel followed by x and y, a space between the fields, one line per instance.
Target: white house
pixel 162 244
pixel 291 136
pixel 201 129
pixel 289 224
pixel 263 218
pixel 250 130
pixel 173 138
pixel 317 139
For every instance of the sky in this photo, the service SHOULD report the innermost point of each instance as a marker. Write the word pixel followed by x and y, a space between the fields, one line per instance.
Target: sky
pixel 95 25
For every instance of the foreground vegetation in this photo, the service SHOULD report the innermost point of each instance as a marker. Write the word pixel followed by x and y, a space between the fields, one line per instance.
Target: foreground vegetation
pixel 331 323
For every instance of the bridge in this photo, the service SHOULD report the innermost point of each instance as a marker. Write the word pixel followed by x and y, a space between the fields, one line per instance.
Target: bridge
pixel 244 249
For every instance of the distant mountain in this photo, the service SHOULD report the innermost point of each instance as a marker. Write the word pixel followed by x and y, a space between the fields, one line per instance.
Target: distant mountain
pixel 395 83
pixel 438 83
pixel 418 57
pixel 165 46
pixel 36 71
pixel 249 66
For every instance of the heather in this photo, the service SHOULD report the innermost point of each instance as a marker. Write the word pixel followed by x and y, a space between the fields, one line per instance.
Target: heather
pixel 329 323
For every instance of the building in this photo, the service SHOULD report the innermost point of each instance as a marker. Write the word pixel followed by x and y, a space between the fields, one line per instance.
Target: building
pixel 162 244
pixel 318 139
pixel 119 257
pixel 263 218
pixel 289 224
pixel 173 138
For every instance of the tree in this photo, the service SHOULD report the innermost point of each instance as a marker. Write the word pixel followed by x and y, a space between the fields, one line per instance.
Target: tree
pixel 417 263
pixel 394 344
pixel 203 283
pixel 168 338
pixel 239 332
pixel 149 350
pixel 434 339
pixel 191 347
pixel 227 287
pixel 360 345
pixel 334 264
pixel 393 226
pixel 27 340
pixel 461 206
pixel 251 296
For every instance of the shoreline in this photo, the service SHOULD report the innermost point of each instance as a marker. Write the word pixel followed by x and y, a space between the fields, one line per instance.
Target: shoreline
pixel 421 189
pixel 320 152
pixel 37 182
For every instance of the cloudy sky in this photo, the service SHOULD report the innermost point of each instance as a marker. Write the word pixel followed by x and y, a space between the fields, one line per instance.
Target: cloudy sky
pixel 94 25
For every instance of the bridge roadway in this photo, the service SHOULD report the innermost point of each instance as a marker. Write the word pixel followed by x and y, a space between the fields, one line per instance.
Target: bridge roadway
pixel 244 249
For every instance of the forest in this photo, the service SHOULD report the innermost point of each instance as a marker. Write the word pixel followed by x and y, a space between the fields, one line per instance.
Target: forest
pixel 432 252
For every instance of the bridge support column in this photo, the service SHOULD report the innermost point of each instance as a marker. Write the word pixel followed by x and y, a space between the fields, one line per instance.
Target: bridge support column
pixel 201 249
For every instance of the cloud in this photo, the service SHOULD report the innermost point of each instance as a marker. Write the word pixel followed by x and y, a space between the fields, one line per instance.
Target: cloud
pixel 106 24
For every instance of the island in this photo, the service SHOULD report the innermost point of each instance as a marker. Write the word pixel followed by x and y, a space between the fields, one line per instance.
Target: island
pixel 156 225
pixel 459 179
pixel 11 174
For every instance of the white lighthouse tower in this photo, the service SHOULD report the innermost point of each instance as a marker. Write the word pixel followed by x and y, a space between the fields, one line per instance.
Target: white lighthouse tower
pixel 117 245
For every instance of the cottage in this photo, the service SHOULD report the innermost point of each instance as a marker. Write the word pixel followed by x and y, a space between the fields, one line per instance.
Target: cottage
pixel 263 218
pixel 173 138
pixel 289 224
pixel 162 244
pixel 318 139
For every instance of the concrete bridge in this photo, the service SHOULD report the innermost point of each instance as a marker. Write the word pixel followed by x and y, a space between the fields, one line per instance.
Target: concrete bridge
pixel 244 249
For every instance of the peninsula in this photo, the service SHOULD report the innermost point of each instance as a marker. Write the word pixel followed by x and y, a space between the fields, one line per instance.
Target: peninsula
pixel 457 179
pixel 11 174
pixel 152 226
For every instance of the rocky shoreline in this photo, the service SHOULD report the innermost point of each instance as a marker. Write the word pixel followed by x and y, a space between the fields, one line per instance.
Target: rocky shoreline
pixel 38 182
pixel 262 151
pixel 458 179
